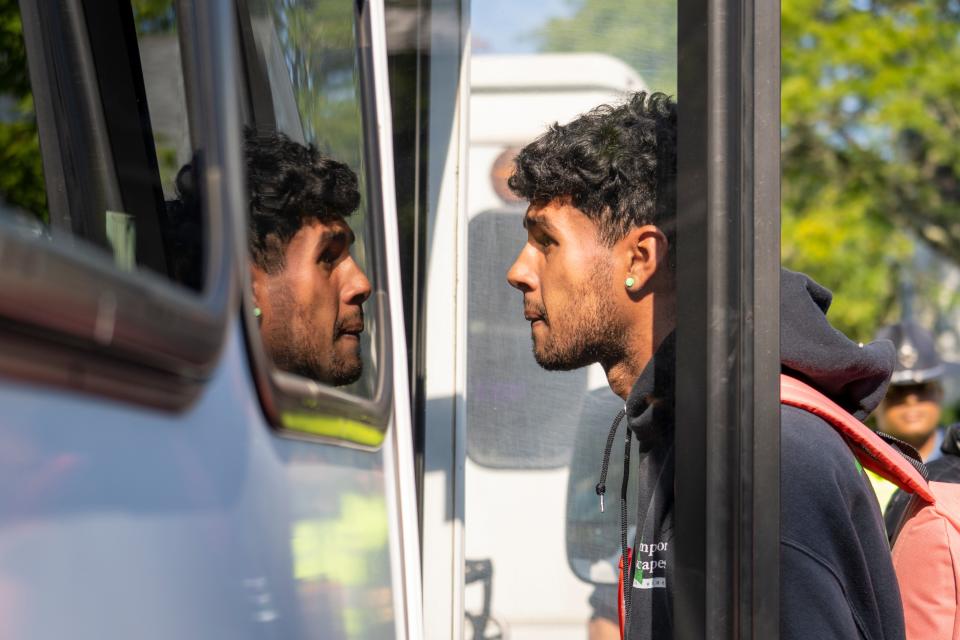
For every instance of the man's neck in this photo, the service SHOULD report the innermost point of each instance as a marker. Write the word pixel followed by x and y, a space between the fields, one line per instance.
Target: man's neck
pixel 926 447
pixel 621 376
pixel 641 347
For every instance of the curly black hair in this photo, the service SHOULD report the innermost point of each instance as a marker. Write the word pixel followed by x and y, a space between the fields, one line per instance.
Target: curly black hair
pixel 288 184
pixel 616 163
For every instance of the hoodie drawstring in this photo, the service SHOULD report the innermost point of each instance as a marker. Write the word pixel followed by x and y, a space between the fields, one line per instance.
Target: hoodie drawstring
pixel 601 489
pixel 602 485
pixel 627 559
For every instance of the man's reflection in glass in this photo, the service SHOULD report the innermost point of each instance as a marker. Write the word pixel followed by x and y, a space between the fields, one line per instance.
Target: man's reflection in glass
pixel 597 277
pixel 307 289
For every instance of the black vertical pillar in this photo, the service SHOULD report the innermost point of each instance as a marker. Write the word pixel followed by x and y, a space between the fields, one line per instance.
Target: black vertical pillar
pixel 727 485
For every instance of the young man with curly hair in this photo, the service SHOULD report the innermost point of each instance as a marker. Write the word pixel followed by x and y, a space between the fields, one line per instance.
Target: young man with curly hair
pixel 597 277
pixel 307 289
pixel 306 285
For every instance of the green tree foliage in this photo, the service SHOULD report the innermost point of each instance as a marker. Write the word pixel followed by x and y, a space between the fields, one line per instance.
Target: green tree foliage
pixel 869 124
pixel 21 181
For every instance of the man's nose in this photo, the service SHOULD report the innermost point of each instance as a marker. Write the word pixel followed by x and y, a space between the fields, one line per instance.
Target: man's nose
pixel 521 275
pixel 357 287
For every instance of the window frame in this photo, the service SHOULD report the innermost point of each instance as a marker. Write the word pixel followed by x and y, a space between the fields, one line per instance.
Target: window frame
pixel 727 514
pixel 135 336
pixel 295 406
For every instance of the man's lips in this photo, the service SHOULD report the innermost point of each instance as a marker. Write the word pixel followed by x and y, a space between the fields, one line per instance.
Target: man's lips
pixel 532 317
pixel 354 328
pixel 534 311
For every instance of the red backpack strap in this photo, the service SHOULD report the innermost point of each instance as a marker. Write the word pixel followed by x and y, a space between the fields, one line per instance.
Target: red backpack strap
pixel 871 450
pixel 620 599
pixel 620 590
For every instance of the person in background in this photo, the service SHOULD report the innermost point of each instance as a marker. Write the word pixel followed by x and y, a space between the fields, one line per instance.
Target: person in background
pixel 911 409
pixel 911 412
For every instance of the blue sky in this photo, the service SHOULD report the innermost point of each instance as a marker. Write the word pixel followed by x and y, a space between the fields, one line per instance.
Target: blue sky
pixel 504 26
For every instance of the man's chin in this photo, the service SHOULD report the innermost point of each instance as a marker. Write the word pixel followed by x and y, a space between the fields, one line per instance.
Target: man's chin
pixel 343 370
pixel 339 373
pixel 340 377
pixel 558 362
pixel 351 375
pixel 348 366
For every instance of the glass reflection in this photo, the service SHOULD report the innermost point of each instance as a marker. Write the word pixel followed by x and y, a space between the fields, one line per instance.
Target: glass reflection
pixel 597 278
pixel 307 289
pixel 537 436
pixel 121 90
pixel 309 259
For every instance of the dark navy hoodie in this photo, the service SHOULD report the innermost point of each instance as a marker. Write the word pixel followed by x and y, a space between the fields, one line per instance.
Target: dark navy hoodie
pixel 837 579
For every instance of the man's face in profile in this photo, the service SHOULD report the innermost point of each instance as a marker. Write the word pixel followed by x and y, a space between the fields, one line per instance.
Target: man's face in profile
pixel 312 313
pixel 566 276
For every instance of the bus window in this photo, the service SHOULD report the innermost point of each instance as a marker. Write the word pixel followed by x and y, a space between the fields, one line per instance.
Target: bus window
pixel 317 291
pixel 113 232
pixel 158 39
pixel 318 322
pixel 113 132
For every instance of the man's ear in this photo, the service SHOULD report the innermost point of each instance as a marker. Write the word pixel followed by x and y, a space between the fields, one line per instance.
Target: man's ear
pixel 647 249
pixel 258 284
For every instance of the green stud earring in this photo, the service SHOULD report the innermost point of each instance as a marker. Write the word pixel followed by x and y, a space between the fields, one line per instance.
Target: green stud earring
pixel 257 312
pixel 630 282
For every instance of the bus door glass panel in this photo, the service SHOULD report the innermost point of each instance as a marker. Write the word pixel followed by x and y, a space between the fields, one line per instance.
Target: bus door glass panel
pixel 108 135
pixel 305 98
pixel 305 133
pixel 541 557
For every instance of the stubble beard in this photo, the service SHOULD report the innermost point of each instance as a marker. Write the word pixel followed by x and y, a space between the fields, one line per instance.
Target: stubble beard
pixel 296 347
pixel 585 331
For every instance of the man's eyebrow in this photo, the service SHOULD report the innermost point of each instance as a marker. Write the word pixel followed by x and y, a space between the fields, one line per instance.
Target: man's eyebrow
pixel 537 221
pixel 337 235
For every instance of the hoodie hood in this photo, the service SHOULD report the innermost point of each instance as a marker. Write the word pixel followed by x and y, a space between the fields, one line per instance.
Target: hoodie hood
pixel 853 375
pixel 650 405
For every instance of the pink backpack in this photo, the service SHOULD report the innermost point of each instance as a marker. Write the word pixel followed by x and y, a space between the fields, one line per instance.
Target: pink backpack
pixel 926 550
